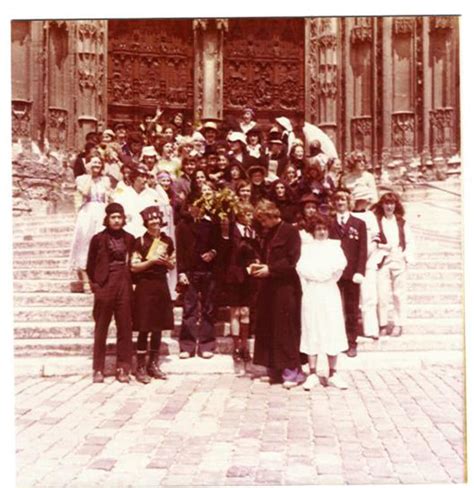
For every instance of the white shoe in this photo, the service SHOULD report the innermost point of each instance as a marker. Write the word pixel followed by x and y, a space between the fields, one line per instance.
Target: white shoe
pixel 311 381
pixel 336 381
pixel 184 355
pixel 207 354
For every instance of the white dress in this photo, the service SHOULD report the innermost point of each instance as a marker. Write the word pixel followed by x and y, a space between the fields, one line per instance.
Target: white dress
pixel 322 321
pixel 90 217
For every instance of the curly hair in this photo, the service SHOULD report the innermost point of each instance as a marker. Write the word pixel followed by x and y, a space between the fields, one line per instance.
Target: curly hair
pixel 309 224
pixel 389 197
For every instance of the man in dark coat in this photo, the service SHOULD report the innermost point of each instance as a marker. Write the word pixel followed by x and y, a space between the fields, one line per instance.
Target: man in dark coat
pixel 197 245
pixel 352 233
pixel 278 324
pixel 109 275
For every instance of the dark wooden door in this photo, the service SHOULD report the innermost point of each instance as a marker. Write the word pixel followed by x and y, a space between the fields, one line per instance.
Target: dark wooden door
pixel 150 63
pixel 264 68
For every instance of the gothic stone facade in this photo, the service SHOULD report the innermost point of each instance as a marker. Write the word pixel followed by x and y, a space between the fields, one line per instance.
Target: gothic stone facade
pixel 386 85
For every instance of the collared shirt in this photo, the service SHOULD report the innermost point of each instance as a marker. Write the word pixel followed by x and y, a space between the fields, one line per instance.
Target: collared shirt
pixel 343 218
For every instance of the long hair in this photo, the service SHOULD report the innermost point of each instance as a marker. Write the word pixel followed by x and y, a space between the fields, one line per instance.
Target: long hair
pixel 389 197
pixel 288 193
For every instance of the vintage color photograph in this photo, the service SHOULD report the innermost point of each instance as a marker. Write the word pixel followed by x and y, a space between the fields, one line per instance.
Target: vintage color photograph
pixel 237 251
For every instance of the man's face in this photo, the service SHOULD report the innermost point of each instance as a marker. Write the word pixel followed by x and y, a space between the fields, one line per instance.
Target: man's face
pixel 116 221
pixel 139 183
pixel 121 134
pixel 256 178
pixel 136 147
pixel 341 203
pixel 210 135
pixel 190 167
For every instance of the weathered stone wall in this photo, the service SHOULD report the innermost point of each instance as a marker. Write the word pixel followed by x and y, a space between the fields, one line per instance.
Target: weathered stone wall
pixel 41 183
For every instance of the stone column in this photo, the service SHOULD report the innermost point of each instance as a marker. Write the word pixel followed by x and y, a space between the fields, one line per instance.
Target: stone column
pixel 387 90
pixel 90 74
pixel 208 81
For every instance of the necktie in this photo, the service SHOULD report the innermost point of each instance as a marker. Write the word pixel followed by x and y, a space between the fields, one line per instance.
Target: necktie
pixel 247 232
pixel 342 221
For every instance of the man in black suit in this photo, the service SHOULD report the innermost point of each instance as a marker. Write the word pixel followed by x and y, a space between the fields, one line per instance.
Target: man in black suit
pixel 352 233
pixel 110 278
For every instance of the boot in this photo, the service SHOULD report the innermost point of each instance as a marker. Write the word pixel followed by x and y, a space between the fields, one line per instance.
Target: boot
pixel 140 373
pixel 153 368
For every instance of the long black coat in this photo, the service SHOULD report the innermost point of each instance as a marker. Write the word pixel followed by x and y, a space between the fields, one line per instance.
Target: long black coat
pixel 278 325
pixel 354 244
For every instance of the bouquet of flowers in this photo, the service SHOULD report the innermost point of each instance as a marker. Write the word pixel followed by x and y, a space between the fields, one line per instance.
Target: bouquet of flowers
pixel 222 204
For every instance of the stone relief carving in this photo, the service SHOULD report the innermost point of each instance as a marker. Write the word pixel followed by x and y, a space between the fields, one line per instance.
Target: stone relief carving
pixel 21 118
pixel 361 32
pixel 442 23
pixel 403 129
pixel 403 26
pixel 361 132
pixel 57 126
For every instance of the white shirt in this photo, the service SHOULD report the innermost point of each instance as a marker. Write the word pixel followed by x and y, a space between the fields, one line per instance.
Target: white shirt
pixel 345 216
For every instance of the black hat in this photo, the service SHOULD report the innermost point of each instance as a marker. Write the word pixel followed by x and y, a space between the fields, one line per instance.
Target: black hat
pixel 114 208
pixel 275 138
pixel 255 130
pixel 256 168
pixel 308 198
pixel 152 212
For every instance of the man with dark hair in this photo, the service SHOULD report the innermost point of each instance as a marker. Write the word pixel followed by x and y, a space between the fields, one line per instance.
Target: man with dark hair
pixel 109 275
pixel 352 232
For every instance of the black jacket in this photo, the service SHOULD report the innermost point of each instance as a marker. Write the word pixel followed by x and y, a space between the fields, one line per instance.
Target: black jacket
pixel 354 244
pixel 98 258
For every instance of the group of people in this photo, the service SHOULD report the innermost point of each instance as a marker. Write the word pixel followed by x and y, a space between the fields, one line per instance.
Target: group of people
pixel 305 254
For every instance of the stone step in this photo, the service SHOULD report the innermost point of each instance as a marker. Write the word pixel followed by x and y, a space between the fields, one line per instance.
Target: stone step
pixel 48 228
pixel 42 242
pixel 84 313
pixel 43 274
pixel 51 299
pixel 69 330
pixel 55 252
pixel 434 276
pixel 170 345
pixel 222 364
pixel 61 263
pixel 41 286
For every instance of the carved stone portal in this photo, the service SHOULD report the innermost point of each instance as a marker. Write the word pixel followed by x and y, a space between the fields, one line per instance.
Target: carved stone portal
pixel 21 119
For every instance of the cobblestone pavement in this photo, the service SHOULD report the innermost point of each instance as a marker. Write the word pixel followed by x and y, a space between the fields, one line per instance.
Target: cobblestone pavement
pixel 401 426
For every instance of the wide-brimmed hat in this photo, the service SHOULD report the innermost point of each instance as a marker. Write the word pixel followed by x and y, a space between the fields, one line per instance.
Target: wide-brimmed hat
pixel 237 136
pixel 197 136
pixel 308 198
pixel 149 151
pixel 109 132
pixel 285 123
pixel 209 125
pixel 361 192
pixel 256 168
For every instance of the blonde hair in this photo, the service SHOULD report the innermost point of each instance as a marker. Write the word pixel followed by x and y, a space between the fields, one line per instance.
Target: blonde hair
pixel 243 208
pixel 267 209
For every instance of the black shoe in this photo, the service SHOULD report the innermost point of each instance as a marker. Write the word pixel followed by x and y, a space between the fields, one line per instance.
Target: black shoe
pixel 122 376
pixel 237 355
pixel 352 352
pixel 245 355
pixel 155 372
pixel 98 377
pixel 141 376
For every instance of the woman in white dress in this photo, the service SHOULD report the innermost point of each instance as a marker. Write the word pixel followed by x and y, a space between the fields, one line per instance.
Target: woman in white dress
pixel 94 190
pixel 322 321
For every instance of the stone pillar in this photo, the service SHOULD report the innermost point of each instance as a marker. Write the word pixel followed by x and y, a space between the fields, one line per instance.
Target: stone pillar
pixel 387 90
pixel 90 74
pixel 208 81
pixel 321 77
pixel 58 85
pixel 427 92
pixel 22 66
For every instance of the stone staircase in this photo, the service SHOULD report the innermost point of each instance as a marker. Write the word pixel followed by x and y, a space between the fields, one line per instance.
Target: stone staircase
pixel 53 327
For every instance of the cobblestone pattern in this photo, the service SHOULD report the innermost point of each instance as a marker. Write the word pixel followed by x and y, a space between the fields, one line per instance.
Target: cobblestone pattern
pixel 398 426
